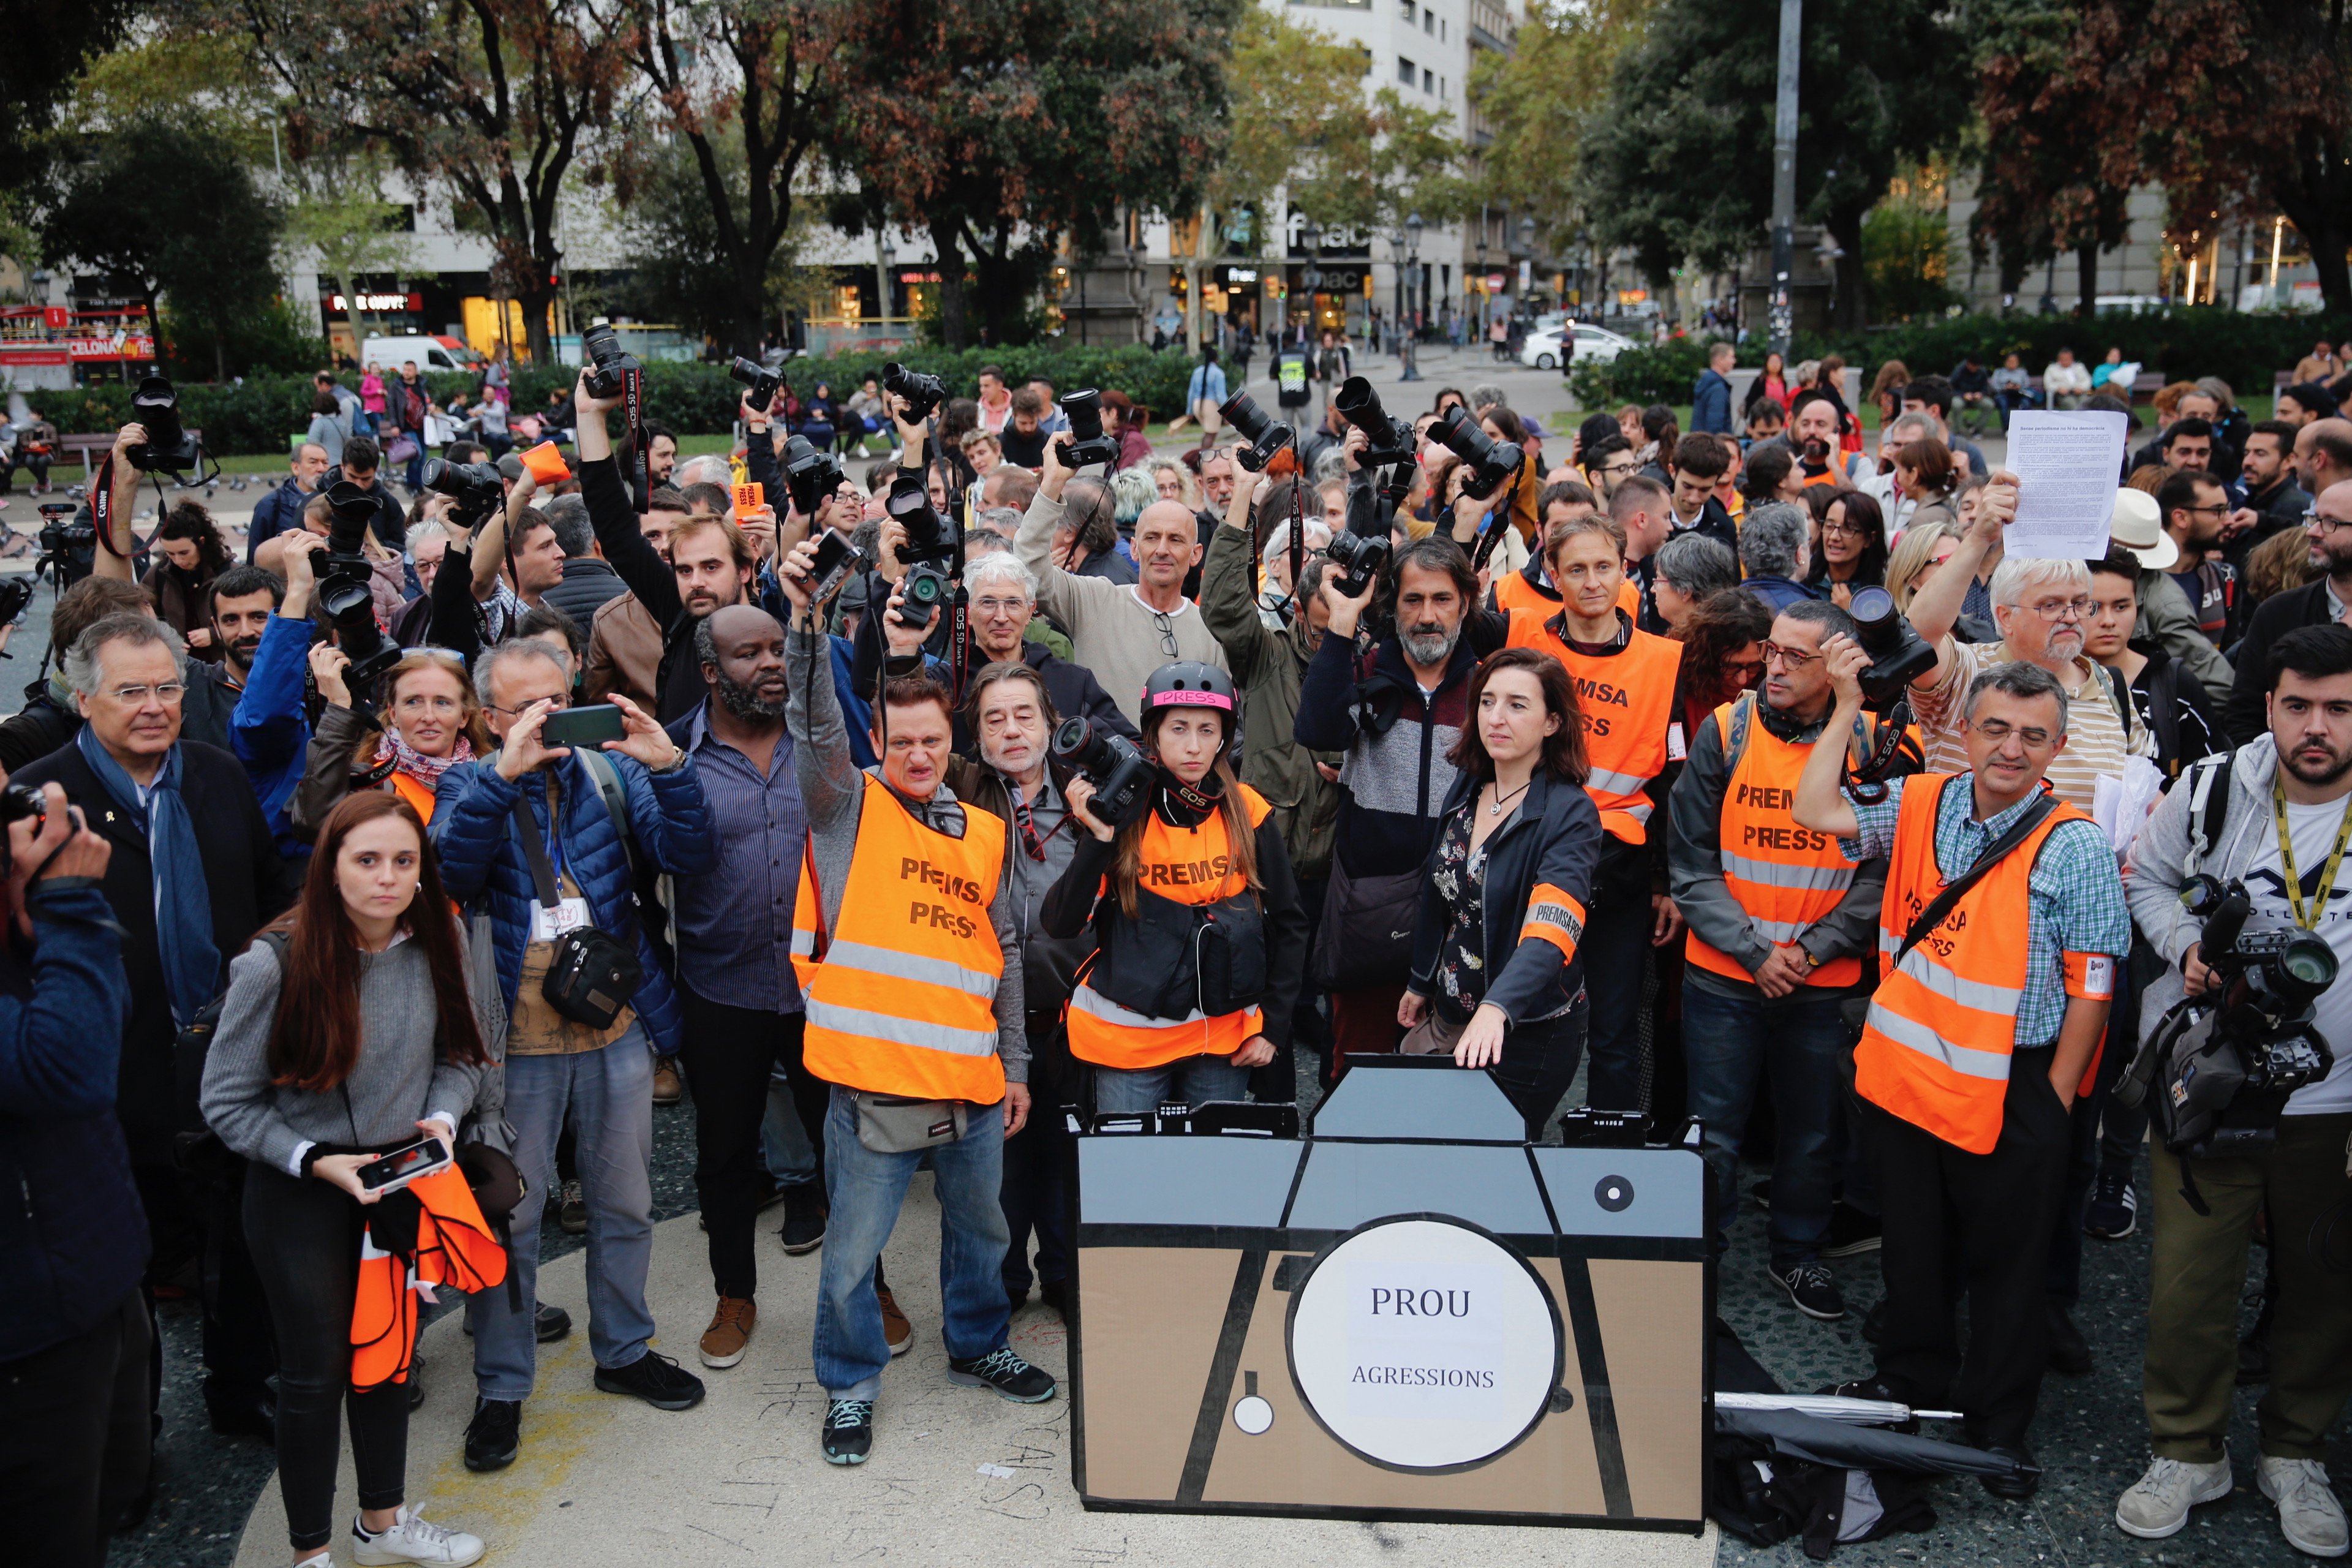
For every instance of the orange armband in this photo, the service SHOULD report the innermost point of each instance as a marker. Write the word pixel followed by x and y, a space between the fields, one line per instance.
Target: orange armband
pixel 2091 975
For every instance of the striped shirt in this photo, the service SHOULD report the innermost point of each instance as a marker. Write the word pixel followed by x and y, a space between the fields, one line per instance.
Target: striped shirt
pixel 2096 742
pixel 2074 897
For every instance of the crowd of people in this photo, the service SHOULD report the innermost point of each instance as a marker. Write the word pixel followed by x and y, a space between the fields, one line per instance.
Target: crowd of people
pixel 332 970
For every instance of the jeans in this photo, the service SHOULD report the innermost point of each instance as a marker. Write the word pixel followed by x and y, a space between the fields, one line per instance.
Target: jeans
pixel 305 1235
pixel 730 1054
pixel 1192 1080
pixel 610 1093
pixel 1616 950
pixel 786 1152
pixel 1730 1040
pixel 868 1190
pixel 75 1448
pixel 1538 1063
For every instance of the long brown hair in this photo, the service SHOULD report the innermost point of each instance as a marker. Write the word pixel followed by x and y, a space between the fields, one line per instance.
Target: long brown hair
pixel 315 1042
pixel 1241 838
pixel 1563 750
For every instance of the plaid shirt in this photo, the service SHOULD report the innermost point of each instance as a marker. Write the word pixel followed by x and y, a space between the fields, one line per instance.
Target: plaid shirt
pixel 2074 897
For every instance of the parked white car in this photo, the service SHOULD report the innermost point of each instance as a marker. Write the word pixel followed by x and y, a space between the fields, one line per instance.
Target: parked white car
pixel 1597 344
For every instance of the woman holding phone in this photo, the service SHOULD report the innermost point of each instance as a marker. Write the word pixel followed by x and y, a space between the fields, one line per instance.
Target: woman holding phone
pixel 348 1029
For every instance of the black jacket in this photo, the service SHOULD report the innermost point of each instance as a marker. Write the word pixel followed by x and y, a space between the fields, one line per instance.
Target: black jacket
pixel 44 724
pixel 2273 619
pixel 677 680
pixel 250 885
pixel 1553 840
pixel 589 584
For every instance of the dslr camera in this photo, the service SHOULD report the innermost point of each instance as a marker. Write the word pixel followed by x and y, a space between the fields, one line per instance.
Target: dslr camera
pixel 762 382
pixel 1359 559
pixel 343 596
pixel 1897 655
pixel 1086 443
pixel 2222 1065
pixel 813 477
pixel 929 536
pixel 476 489
pixel 1490 462
pixel 611 364
pixel 169 448
pixel 1112 763
pixel 1264 436
pixel 922 393
pixel 69 539
pixel 1391 438
pixel 924 589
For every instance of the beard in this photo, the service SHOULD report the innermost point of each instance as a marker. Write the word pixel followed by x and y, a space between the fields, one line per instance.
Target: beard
pixel 1430 647
pixel 2335 766
pixel 1817 450
pixel 240 652
pixel 742 700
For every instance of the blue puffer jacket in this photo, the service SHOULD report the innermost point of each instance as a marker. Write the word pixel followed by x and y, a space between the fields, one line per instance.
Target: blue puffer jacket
pixel 73 1239
pixel 482 862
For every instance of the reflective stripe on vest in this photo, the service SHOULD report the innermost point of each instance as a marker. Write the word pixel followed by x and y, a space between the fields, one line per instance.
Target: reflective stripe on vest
pixel 1627 700
pixel 1936 1049
pixel 901 997
pixel 1787 878
pixel 1169 860
pixel 1291 372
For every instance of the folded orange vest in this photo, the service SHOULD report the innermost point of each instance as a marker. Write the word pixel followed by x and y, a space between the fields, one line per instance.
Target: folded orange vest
pixel 430 1233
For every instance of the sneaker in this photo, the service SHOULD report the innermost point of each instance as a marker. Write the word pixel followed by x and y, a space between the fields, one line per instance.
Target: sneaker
pixel 848 1435
pixel 1005 1371
pixel 1850 1232
pixel 548 1324
pixel 493 1434
pixel 2158 1504
pixel 414 1540
pixel 2114 1213
pixel 900 1332
pixel 572 1213
pixel 1811 1289
pixel 2309 1515
pixel 772 1192
pixel 669 1088
pixel 804 1216
pixel 655 1379
pixel 729 1333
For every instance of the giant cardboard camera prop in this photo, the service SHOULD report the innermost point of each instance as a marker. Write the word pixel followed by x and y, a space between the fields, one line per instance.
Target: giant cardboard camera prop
pixel 1410 1313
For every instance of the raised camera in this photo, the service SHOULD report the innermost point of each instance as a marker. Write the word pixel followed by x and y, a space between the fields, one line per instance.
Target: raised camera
pixel 923 590
pixel 1491 462
pixel 922 393
pixel 1265 435
pixel 1358 558
pixel 1112 763
pixel 169 448
pixel 929 536
pixel 1391 438
pixel 812 477
pixel 1898 656
pixel 477 489
pixel 1087 442
pixel 612 363
pixel 762 382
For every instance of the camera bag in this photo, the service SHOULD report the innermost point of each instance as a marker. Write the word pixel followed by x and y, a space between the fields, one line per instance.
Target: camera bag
pixel 1174 958
pixel 591 973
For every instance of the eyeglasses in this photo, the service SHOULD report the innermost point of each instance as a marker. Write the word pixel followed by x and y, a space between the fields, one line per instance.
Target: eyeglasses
pixel 1744 668
pixel 1999 731
pixel 1619 470
pixel 1844 531
pixel 1793 658
pixel 2062 609
pixel 993 605
pixel 168 693
pixel 2318 524
pixel 2224 508
pixel 1167 630
pixel 557 704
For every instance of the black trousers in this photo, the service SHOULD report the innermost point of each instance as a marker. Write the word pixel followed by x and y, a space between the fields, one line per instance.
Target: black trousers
pixel 1539 1063
pixel 729 1054
pixel 305 1237
pixel 1035 1197
pixel 75 1444
pixel 203 1209
pixel 1616 947
pixel 1987 1216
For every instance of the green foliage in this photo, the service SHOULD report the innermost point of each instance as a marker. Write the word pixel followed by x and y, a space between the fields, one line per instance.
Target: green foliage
pixel 1642 375
pixel 46 42
pixel 276 339
pixel 1906 247
pixel 683 265
pixel 1537 98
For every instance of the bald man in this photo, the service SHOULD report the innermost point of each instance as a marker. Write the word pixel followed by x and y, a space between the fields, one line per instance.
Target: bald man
pixel 2329 532
pixel 2322 454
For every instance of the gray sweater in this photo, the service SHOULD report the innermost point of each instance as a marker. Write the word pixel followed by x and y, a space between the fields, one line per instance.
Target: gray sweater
pixel 398 1081
pixel 1112 631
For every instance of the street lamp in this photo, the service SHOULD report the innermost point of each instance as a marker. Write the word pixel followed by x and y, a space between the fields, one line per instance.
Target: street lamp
pixel 1528 235
pixel 1411 319
pixel 1312 277
pixel 886 255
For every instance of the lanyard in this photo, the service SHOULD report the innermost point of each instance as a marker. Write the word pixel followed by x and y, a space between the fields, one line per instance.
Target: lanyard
pixel 2287 860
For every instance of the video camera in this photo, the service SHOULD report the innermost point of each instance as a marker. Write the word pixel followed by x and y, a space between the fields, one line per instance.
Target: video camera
pixel 922 393
pixel 169 448
pixel 344 594
pixel 1086 443
pixel 1491 463
pixel 1391 438
pixel 811 477
pixel 476 490
pixel 1117 769
pixel 69 539
pixel 611 363
pixel 1264 436
pixel 762 382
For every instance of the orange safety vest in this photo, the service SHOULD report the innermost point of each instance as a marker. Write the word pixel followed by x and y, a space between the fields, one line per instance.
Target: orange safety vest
pixel 454 1248
pixel 417 794
pixel 901 997
pixel 1934 1050
pixel 1631 727
pixel 1191 866
pixel 1786 876
pixel 1829 476
pixel 1513 591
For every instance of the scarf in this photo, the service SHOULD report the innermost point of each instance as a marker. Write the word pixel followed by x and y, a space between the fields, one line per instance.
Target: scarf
pixel 183 906
pixel 426 771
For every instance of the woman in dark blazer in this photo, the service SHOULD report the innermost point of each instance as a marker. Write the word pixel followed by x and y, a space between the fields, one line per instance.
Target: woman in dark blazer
pixel 1497 976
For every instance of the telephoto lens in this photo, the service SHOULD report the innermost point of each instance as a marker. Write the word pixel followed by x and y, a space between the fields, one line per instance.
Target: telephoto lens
pixel 762 382
pixel 1491 462
pixel 922 393
pixel 168 447
pixel 1264 436
pixel 475 487
pixel 602 345
pixel 1088 444
pixel 349 510
pixel 1111 763
pixel 1391 438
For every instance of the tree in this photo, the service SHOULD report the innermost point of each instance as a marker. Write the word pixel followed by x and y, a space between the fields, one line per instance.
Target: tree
pixel 1002 126
pixel 352 230
pixel 214 261
pixel 1290 85
pixel 686 270
pixel 1536 99
pixel 1678 161
pixel 751 125
pixel 48 40
pixel 492 99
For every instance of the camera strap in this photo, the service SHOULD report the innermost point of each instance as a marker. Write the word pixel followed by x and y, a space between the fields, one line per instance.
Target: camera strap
pixel 1298 536
pixel 633 406
pixel 101 504
pixel 2308 920
pixel 1993 854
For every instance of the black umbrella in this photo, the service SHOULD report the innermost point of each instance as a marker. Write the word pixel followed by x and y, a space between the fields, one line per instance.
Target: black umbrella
pixel 1845 1446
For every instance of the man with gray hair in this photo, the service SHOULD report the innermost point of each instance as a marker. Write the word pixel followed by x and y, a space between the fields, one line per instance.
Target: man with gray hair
pixel 1781 925
pixel 194 873
pixel 1689 567
pixel 1981 1034
pixel 1775 547
pixel 588 580
pixel 2040 607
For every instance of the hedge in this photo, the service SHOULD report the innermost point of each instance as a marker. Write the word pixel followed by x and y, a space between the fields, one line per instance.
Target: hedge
pixel 2244 350
pixel 260 414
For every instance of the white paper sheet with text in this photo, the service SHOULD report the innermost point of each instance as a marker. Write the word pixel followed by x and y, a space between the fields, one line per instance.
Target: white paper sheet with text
pixel 2066 462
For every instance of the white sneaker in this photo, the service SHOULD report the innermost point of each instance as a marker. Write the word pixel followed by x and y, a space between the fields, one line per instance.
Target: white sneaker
pixel 414 1540
pixel 2309 1515
pixel 2158 1504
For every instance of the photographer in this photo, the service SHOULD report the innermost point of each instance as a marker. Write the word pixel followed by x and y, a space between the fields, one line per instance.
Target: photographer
pixel 2289 810
pixel 74 1333
pixel 339 1042
pixel 429 721
pixel 1151 949
pixel 271 730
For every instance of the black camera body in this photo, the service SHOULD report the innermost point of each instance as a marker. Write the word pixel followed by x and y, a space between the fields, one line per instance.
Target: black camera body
pixel 922 393
pixel 1087 442
pixel 923 590
pixel 69 539
pixel 344 595
pixel 1266 434
pixel 929 536
pixel 762 382
pixel 476 490
pixel 1360 558
pixel 1114 764
pixel 1491 463
pixel 609 362
pixel 169 448
pixel 1897 655
pixel 811 477
pixel 1391 438
pixel 19 802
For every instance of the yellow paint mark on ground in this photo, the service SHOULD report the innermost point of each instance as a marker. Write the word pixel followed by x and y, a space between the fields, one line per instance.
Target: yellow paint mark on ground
pixel 562 1421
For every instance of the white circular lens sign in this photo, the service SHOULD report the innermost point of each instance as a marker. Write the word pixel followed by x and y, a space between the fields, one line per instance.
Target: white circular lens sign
pixel 1423 1344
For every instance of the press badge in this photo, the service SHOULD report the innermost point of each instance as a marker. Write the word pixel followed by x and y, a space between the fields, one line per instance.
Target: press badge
pixel 1677 750
pixel 568 915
